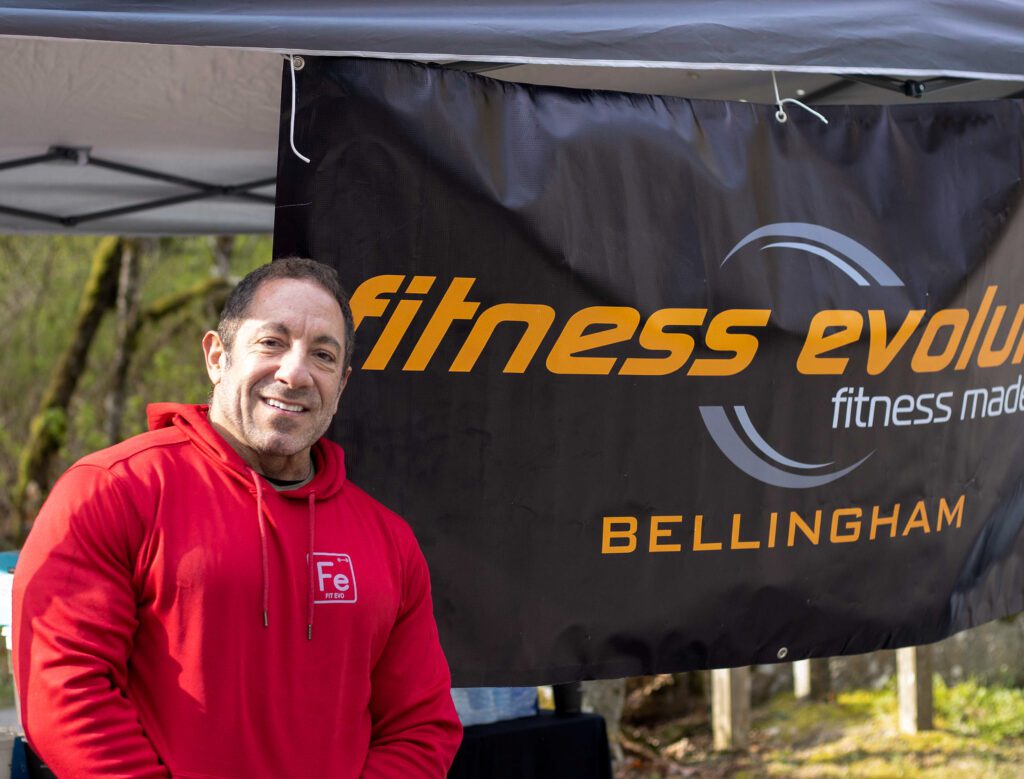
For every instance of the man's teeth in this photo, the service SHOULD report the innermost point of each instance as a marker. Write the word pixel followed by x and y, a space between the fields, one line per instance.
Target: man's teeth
pixel 284 406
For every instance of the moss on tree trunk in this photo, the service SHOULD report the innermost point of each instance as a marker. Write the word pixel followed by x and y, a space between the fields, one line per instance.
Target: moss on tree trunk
pixel 48 428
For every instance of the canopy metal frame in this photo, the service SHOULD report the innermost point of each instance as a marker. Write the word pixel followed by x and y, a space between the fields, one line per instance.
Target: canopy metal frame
pixel 82 156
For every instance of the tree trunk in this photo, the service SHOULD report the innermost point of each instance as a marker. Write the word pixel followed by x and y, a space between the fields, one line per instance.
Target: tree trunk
pixel 223 248
pixel 127 329
pixel 48 427
pixel 214 290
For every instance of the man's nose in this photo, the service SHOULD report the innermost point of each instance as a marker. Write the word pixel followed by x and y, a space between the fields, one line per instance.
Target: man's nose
pixel 293 369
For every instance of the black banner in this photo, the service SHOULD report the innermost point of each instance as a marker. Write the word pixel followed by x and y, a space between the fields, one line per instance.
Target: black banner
pixel 666 384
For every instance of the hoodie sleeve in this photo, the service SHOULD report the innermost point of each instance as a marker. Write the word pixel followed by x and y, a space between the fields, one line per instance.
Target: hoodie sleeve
pixel 74 621
pixel 416 731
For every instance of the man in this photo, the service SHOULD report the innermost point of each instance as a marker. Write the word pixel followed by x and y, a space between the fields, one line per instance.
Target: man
pixel 214 599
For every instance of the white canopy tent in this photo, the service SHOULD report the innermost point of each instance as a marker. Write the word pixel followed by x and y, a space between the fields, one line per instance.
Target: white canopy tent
pixel 192 95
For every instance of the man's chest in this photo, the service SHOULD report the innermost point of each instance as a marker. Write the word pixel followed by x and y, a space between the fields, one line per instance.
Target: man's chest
pixel 216 560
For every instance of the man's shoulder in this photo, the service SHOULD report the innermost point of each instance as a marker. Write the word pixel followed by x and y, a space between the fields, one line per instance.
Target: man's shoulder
pixel 123 477
pixel 149 446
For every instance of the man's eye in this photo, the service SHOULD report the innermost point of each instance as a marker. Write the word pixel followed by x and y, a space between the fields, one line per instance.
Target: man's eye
pixel 325 356
pixel 272 342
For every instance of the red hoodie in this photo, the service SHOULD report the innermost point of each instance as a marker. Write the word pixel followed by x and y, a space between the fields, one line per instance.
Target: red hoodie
pixel 174 614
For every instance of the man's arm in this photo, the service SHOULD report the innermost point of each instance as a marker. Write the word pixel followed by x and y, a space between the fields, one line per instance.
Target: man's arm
pixel 74 621
pixel 416 731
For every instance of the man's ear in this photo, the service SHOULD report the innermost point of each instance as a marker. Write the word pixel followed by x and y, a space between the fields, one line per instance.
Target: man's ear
pixel 213 350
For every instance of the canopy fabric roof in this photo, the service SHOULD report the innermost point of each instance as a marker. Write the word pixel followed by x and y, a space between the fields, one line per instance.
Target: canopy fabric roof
pixel 205 114
pixel 980 39
pixel 203 104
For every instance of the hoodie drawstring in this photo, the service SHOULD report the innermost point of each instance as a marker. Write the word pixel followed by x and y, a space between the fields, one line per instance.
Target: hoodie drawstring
pixel 265 562
pixel 309 564
pixel 261 520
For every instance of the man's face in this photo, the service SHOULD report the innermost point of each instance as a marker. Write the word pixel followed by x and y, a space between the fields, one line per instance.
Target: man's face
pixel 278 387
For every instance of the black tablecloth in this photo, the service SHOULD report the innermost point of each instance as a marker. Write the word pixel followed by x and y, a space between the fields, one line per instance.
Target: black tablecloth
pixel 547 746
pixel 543 747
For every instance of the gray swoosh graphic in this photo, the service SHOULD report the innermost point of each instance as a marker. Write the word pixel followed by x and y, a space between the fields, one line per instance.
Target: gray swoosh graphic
pixel 760 443
pixel 858 254
pixel 739 454
pixel 844 266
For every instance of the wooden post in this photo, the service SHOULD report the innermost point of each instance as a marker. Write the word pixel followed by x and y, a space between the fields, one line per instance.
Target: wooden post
pixel 812 679
pixel 914 671
pixel 730 707
pixel 607 697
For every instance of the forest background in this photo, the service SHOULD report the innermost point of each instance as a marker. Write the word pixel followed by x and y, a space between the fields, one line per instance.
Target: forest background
pixel 95 329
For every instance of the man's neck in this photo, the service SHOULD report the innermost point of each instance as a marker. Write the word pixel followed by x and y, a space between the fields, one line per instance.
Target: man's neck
pixel 296 467
pixel 283 485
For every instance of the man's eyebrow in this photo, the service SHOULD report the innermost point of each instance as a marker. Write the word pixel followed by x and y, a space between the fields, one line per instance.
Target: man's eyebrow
pixel 327 339
pixel 281 329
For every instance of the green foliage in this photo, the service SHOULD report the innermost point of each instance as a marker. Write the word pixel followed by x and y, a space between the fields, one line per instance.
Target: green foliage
pixel 6 685
pixel 991 713
pixel 42 282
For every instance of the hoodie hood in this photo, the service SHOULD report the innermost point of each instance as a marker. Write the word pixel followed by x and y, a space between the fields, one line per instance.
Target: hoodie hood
pixel 194 422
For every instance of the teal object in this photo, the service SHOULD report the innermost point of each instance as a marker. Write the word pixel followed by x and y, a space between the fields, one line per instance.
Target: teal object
pixel 7 561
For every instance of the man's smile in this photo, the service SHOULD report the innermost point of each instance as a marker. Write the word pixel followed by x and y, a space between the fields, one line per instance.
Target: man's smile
pixel 282 406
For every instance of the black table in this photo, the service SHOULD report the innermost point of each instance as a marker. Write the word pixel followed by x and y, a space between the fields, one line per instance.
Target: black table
pixel 25 764
pixel 547 746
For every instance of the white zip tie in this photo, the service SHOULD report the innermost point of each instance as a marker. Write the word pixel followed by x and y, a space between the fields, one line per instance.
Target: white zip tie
pixel 291 134
pixel 780 115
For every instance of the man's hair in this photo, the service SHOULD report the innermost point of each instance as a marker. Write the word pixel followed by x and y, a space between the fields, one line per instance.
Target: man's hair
pixel 237 304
